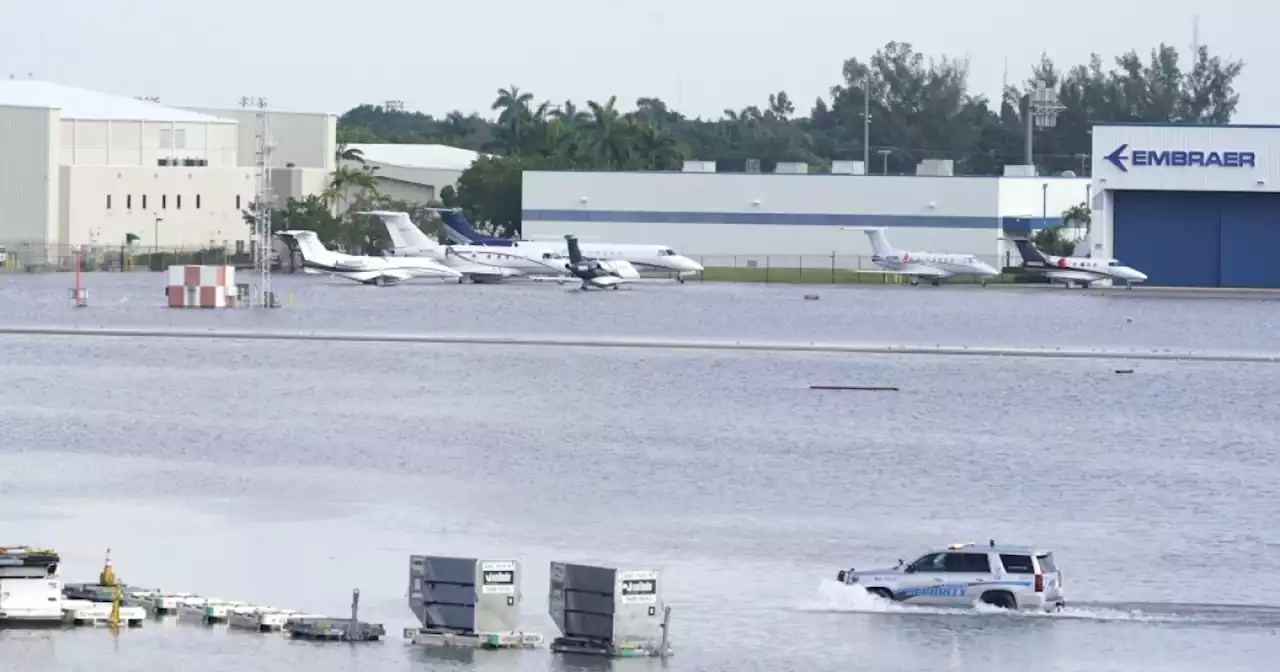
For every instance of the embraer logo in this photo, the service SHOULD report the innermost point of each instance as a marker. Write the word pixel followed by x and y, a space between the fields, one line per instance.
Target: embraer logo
pixel 1179 158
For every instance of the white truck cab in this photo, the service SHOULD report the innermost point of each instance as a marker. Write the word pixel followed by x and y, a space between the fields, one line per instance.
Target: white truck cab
pixel 965 574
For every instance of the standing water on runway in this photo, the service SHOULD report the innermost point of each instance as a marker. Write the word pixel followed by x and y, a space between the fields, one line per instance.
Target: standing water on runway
pixel 289 475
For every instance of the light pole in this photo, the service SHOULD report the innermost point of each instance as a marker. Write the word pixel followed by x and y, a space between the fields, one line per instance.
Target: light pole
pixel 866 123
pixel 1042 112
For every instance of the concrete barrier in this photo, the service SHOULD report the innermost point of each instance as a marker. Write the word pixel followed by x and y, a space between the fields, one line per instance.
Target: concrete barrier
pixel 1159 354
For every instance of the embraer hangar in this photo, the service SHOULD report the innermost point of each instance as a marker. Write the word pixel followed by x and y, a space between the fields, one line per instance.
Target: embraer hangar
pixel 1191 206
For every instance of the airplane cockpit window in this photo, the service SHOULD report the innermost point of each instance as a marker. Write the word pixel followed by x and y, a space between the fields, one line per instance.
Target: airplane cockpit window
pixel 1113 262
pixel 667 252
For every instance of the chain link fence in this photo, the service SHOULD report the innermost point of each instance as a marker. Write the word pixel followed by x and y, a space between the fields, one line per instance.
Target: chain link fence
pixel 832 269
pixel 57 258
pixel 829 269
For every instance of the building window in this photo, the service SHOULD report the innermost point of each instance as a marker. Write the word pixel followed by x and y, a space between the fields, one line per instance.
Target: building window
pixel 108 201
pixel 164 201
pixel 197 201
pixel 237 201
pixel 178 201
pixel 128 201
pixel 144 201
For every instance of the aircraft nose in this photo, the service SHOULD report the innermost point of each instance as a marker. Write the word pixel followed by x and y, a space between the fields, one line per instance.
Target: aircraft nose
pixel 1139 275
pixel 691 265
pixel 988 268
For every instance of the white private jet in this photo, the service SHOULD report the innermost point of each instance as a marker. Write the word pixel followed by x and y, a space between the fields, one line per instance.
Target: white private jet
pixel 1073 270
pixel 648 257
pixel 363 269
pixel 478 263
pixel 931 265
pixel 596 273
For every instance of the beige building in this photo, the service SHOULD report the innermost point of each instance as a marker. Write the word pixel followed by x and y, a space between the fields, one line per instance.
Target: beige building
pixel 80 167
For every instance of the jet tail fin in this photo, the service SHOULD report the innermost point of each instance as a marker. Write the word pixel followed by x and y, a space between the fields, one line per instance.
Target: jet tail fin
pixel 1028 251
pixel 575 253
pixel 460 231
pixel 308 244
pixel 879 242
pixel 403 232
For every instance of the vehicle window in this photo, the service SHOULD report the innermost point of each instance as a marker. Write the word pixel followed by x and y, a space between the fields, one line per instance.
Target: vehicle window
pixel 669 253
pixel 1113 263
pixel 967 562
pixel 1017 564
pixel 929 563
pixel 1046 563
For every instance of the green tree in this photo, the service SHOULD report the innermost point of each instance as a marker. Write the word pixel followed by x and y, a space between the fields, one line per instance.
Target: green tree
pixel 921 108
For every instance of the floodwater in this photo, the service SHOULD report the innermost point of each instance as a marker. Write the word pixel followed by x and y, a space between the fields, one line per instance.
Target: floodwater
pixel 289 474
pixel 969 315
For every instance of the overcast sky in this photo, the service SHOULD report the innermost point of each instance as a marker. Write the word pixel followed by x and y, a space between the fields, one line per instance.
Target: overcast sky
pixel 700 55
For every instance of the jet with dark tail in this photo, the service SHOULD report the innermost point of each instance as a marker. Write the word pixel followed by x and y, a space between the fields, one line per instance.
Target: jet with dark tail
pixel 1070 271
pixel 598 274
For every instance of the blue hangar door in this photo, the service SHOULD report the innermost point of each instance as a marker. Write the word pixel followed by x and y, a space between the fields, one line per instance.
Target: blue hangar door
pixel 1199 239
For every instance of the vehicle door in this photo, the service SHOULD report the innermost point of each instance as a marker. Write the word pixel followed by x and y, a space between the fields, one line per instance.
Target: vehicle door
pixel 922 580
pixel 966 577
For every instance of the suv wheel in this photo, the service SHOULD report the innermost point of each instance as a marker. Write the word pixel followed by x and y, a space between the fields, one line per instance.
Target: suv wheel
pixel 883 593
pixel 1000 598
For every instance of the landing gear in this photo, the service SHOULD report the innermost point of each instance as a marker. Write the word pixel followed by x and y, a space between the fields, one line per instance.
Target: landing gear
pixel 1085 285
pixel 613 287
pixel 1128 284
pixel 983 283
pixel 914 282
pixel 680 279
pixel 935 282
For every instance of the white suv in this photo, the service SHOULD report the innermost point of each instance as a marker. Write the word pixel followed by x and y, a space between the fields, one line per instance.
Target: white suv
pixel 1010 577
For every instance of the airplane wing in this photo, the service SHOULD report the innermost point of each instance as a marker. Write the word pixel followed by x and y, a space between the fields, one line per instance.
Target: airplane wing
pixel 1074 276
pixel 606 281
pixel 925 271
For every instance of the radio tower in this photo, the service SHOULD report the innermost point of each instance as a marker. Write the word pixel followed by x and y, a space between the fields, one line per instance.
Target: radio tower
pixel 262 172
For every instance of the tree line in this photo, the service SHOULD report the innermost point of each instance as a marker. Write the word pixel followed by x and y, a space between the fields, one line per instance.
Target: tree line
pixel 920 108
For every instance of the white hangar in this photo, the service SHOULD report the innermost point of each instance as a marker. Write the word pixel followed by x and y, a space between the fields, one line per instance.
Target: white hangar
pixel 793 215
pixel 415 173
pixel 79 167
pixel 1189 205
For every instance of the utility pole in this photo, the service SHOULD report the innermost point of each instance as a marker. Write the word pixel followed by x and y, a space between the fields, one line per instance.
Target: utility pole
pixel 1042 112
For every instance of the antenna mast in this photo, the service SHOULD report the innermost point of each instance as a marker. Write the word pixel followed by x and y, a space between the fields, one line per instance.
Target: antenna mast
pixel 262 172
pixel 1195 36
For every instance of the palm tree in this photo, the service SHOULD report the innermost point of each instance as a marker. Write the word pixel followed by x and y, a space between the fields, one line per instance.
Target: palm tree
pixel 610 133
pixel 345 153
pixel 656 148
pixel 512 103
pixel 346 180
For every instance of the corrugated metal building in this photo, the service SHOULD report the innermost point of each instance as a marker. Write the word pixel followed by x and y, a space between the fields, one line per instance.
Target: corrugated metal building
pixel 1190 205
pixel 79 167
pixel 416 173
pixel 780 215
pixel 304 147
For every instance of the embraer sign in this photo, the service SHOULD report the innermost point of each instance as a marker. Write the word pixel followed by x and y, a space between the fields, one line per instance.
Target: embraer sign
pixel 1179 158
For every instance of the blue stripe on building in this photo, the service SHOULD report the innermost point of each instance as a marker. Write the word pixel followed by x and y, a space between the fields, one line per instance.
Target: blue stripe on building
pixel 775 219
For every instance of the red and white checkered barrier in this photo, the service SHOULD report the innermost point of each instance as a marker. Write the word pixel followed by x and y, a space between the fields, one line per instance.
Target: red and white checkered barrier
pixel 201 287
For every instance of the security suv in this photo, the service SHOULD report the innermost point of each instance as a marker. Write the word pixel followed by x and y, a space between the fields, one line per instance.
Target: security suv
pixel 962 575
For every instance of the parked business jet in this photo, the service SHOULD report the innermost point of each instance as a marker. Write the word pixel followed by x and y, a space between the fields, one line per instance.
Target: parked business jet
pixel 1072 270
pixel 363 269
pixel 478 263
pixel 596 273
pixel 646 257
pixel 930 265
